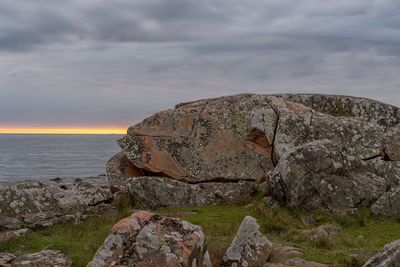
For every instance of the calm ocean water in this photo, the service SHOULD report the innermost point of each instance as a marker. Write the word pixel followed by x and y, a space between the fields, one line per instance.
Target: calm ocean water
pixel 25 157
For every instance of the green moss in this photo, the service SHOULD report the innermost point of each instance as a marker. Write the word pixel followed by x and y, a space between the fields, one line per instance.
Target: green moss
pixel 360 237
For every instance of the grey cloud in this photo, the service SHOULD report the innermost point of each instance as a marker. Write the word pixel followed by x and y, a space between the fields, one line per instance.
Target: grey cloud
pixel 115 62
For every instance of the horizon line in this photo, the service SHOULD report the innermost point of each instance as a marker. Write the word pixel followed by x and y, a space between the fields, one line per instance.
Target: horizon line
pixel 62 130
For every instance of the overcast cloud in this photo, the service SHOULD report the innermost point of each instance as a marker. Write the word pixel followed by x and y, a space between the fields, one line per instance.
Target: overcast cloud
pixel 77 62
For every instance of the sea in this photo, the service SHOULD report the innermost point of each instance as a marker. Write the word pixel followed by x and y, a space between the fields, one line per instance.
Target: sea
pixel 46 156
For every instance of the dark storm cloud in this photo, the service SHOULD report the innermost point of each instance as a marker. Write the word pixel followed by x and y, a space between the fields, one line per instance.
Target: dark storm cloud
pixel 98 61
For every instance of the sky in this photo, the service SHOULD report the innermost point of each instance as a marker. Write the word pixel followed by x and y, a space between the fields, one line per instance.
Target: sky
pixel 99 63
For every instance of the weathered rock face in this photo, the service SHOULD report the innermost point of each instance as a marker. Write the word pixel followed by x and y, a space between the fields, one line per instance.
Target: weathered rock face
pixel 317 175
pixel 389 257
pixel 241 137
pixel 40 259
pixel 249 247
pixel 391 145
pixel 119 169
pixel 145 239
pixel 210 140
pixel 157 192
pixel 349 106
pixel 388 204
pixel 34 204
pixel 247 137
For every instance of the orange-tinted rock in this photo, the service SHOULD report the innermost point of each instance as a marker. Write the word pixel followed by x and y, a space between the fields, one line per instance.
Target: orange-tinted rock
pixel 145 239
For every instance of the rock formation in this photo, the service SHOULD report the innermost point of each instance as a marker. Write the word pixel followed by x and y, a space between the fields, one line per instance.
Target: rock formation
pixel 158 192
pixel 145 239
pixel 32 204
pixel 249 247
pixel 314 151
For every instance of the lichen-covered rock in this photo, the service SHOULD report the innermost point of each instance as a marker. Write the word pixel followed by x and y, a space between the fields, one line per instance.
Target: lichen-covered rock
pixel 322 232
pixel 242 137
pixel 6 258
pixel 249 247
pixel 119 169
pixel 145 239
pixel 225 138
pixel 157 192
pixel 319 176
pixel 388 257
pixel 247 137
pixel 299 125
pixel 34 204
pixel 39 259
pixel 388 204
pixel 349 106
pixel 391 144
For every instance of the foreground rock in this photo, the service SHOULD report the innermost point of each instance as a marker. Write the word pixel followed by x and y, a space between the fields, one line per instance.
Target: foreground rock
pixel 32 204
pixel 40 259
pixel 350 148
pixel 158 192
pixel 389 257
pixel 145 239
pixel 249 247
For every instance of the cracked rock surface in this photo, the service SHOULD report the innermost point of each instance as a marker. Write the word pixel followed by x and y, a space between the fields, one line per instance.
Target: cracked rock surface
pixel 159 192
pixel 388 257
pixel 32 203
pixel 145 239
pixel 249 247
pixel 261 139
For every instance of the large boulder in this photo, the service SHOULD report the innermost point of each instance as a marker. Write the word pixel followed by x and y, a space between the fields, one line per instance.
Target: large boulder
pixel 222 139
pixel 242 137
pixel 250 137
pixel 157 192
pixel 388 257
pixel 34 204
pixel 318 175
pixel 249 247
pixel 146 239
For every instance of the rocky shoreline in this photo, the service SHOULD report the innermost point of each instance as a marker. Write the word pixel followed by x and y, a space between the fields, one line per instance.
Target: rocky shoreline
pixel 335 154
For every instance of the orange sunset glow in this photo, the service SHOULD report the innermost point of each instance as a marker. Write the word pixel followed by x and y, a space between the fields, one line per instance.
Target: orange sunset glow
pixel 63 130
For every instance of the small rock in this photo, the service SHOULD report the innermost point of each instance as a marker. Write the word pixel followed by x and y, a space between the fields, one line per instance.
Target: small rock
pixel 6 258
pixel 323 232
pixel 249 247
pixel 146 239
pixel 309 220
pixel 388 257
pixel 43 258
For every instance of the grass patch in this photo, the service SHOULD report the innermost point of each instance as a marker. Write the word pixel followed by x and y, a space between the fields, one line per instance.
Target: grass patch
pixel 78 241
pixel 360 237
